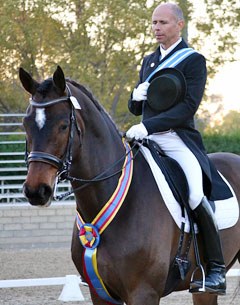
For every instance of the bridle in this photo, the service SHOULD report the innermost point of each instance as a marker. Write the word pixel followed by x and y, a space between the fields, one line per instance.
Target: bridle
pixel 63 165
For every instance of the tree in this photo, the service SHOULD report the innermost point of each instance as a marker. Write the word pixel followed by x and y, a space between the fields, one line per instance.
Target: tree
pixel 230 123
pixel 98 43
pixel 107 46
pixel 29 38
pixel 94 46
pixel 218 32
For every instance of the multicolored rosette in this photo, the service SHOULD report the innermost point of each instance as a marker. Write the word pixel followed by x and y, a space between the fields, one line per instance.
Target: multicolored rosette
pixel 89 236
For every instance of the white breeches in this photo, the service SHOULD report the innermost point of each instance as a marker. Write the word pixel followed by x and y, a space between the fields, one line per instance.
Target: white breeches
pixel 174 147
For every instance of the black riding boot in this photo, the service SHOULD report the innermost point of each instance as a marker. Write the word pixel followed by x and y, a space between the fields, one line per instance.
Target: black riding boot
pixel 215 271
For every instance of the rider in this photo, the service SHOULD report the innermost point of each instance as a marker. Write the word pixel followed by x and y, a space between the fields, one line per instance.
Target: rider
pixel 174 131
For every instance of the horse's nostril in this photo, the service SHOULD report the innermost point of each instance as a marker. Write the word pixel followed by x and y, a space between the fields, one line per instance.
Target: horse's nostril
pixel 39 195
pixel 45 191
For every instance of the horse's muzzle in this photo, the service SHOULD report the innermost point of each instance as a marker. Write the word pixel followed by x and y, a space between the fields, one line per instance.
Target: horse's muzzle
pixel 40 196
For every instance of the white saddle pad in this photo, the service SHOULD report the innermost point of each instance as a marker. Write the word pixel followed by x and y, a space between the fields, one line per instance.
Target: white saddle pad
pixel 227 211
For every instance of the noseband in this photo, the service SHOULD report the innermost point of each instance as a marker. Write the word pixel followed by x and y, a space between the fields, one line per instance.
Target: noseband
pixel 35 156
pixel 62 166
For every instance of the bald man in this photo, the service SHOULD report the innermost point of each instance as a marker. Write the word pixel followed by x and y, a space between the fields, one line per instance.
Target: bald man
pixel 174 131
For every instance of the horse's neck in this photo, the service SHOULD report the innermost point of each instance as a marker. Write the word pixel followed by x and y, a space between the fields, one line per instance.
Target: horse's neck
pixel 100 153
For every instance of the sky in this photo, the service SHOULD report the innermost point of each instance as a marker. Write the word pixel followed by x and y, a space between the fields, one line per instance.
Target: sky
pixel 226 83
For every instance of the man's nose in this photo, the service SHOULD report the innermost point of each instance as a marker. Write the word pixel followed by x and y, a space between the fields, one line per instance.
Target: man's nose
pixel 157 26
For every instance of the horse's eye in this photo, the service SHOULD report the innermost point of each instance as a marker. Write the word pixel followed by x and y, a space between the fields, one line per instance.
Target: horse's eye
pixel 64 126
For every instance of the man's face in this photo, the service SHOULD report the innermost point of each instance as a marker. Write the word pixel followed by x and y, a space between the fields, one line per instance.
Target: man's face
pixel 165 26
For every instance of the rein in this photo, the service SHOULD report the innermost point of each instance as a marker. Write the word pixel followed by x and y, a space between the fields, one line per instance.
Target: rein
pixel 100 177
pixel 63 166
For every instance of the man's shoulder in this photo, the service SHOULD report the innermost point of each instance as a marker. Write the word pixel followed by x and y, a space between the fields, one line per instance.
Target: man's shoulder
pixel 183 44
pixel 196 57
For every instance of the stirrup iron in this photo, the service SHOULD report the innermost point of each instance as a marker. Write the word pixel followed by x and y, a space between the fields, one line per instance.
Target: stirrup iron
pixel 203 288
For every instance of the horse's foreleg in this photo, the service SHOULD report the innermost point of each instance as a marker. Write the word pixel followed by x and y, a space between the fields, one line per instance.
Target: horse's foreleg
pixel 204 299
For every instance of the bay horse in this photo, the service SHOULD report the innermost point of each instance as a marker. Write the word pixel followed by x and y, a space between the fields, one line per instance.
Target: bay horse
pixel 69 134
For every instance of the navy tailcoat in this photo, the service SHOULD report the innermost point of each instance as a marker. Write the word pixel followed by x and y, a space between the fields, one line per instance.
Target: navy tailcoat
pixel 180 117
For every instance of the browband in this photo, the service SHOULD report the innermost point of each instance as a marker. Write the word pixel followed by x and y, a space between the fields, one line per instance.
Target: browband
pixel 52 102
pixel 69 96
pixel 49 103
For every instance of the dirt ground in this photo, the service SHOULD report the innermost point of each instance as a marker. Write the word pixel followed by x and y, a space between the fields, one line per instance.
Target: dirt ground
pixel 44 263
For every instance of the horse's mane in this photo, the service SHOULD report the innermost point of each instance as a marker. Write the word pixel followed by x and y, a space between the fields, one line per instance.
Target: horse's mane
pixel 90 95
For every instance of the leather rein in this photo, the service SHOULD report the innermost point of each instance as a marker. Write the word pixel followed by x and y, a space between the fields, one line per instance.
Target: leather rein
pixel 63 165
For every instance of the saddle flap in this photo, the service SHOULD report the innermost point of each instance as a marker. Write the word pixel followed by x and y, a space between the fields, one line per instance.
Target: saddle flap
pixel 172 171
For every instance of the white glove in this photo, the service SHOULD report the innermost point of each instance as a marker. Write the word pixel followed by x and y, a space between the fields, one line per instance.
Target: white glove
pixel 137 132
pixel 140 93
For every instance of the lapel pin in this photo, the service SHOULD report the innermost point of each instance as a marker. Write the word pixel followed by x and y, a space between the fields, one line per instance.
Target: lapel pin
pixel 152 64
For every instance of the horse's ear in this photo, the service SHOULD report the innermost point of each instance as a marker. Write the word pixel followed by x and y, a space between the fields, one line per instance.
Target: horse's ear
pixel 29 84
pixel 59 80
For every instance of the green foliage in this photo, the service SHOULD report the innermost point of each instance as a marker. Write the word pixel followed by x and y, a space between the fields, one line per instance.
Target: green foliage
pixel 231 123
pixel 225 137
pixel 93 43
pixel 12 147
pixel 98 43
pixel 218 142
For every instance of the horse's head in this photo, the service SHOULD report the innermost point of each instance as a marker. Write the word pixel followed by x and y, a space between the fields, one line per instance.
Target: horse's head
pixel 50 123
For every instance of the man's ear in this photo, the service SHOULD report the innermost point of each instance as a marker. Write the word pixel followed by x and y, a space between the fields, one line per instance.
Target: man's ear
pixel 181 24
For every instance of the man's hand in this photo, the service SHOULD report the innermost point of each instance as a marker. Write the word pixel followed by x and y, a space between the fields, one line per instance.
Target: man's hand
pixel 140 93
pixel 137 132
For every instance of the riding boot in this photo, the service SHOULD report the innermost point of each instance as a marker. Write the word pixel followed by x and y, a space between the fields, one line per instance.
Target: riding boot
pixel 215 281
